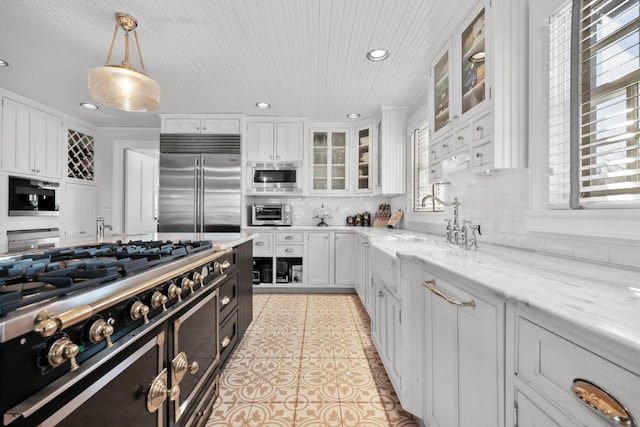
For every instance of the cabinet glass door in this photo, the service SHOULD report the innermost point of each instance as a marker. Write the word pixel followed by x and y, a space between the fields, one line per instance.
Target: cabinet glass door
pixel 338 160
pixel 329 160
pixel 363 159
pixel 320 160
pixel 473 63
pixel 441 91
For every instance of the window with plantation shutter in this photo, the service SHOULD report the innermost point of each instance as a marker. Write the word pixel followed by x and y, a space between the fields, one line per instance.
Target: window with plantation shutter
pixel 594 75
pixel 420 177
pixel 608 70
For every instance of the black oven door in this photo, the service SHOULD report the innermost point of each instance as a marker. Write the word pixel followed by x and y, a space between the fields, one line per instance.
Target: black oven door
pixel 196 351
pixel 120 396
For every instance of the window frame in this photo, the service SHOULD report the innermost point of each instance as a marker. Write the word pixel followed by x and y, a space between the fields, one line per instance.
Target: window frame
pixel 605 224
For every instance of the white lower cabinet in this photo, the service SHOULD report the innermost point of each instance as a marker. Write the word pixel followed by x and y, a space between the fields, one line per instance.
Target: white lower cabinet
pixel 463 357
pixel 569 381
pixel 385 330
pixel 363 279
pixel 318 258
pixel 79 210
pixel 344 258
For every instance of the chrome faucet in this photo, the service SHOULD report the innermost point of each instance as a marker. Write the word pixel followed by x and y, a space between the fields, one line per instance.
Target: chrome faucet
pixel 100 227
pixel 452 231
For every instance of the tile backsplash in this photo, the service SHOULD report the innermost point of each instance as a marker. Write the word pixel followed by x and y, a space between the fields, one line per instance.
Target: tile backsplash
pixel 500 204
pixel 337 207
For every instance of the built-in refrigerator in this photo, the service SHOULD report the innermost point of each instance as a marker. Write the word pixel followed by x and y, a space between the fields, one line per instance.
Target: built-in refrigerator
pixel 200 183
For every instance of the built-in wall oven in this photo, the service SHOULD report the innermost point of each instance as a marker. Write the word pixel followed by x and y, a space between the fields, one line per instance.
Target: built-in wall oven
pixel 275 177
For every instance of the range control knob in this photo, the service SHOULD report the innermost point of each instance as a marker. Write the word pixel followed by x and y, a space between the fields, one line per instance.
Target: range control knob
pixel 219 268
pixel 101 330
pixel 187 283
pixel 62 350
pixel 158 299
pixel 138 310
pixel 173 291
pixel 198 278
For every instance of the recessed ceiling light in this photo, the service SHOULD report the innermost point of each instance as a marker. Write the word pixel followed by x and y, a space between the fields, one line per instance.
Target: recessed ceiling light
pixel 3 63
pixel 89 106
pixel 377 54
pixel 263 105
pixel 353 115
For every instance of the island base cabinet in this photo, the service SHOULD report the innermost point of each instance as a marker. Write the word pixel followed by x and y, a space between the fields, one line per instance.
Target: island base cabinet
pixel 463 355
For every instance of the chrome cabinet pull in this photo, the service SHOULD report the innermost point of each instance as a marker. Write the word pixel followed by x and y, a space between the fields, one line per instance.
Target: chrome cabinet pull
pixel 224 301
pixel 289 250
pixel 431 285
pixel 259 243
pixel 288 238
pixel 602 403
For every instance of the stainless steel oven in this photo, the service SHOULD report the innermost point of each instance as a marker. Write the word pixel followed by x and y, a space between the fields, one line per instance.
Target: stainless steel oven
pixel 33 197
pixel 270 214
pixel 275 177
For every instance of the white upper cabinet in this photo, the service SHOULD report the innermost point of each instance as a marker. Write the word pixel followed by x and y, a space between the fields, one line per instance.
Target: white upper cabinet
pixel 363 182
pixel 391 150
pixel 478 90
pixel 330 161
pixel 31 141
pixel 198 123
pixel 275 141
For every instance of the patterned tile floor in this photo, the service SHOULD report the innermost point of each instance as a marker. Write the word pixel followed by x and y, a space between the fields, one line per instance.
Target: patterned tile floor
pixel 307 360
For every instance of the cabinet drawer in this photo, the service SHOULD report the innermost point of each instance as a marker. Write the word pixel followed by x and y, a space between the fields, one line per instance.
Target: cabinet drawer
pixel 482 127
pixel 283 250
pixel 482 157
pixel 552 364
pixel 463 137
pixel 435 152
pixel 221 126
pixel 289 237
pixel 228 297
pixel 228 335
pixel 435 172
pixel 263 244
pixel 448 146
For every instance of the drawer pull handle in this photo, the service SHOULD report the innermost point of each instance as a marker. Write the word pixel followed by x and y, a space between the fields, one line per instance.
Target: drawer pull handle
pixel 225 342
pixel 431 285
pixel 259 243
pixel 289 250
pixel 288 238
pixel 224 301
pixel 602 402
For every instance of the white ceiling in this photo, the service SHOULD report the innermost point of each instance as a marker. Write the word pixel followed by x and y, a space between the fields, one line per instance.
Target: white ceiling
pixel 305 57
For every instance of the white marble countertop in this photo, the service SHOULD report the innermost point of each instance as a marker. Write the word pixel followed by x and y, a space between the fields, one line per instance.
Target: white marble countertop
pixel 220 240
pixel 596 301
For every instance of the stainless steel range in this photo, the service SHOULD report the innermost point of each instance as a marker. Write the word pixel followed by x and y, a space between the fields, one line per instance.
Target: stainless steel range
pixel 124 332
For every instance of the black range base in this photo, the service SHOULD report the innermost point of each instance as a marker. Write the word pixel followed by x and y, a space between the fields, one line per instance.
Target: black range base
pixel 143 348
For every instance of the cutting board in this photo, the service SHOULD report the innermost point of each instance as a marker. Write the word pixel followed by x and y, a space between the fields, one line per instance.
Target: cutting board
pixel 393 221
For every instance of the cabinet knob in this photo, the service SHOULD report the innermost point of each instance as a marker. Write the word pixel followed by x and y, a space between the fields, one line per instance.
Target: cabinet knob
pixel 204 128
pixel 460 138
pixel 478 128
pixel 445 145
pixel 456 117
pixel 277 157
pixel 197 127
pixel 479 154
pixel 433 153
pixel 380 294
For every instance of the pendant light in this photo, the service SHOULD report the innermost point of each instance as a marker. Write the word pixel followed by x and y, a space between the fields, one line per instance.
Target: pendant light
pixel 122 86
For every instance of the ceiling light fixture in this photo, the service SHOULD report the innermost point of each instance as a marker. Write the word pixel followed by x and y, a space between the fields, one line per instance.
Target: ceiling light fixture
pixel 353 115
pixel 121 86
pixel 3 63
pixel 263 105
pixel 89 106
pixel 377 54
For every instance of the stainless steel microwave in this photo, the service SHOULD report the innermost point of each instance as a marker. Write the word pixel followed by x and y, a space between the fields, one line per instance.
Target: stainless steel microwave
pixel 270 214
pixel 33 197
pixel 275 177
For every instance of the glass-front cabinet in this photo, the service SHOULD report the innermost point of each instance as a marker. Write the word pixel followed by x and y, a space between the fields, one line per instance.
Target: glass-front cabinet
pixel 473 63
pixel 364 179
pixel 329 160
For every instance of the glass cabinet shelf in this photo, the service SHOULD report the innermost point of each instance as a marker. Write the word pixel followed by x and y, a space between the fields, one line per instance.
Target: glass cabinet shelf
pixel 329 160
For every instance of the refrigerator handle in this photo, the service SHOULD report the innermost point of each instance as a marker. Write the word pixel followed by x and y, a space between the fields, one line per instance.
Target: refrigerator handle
pixel 195 195
pixel 202 169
